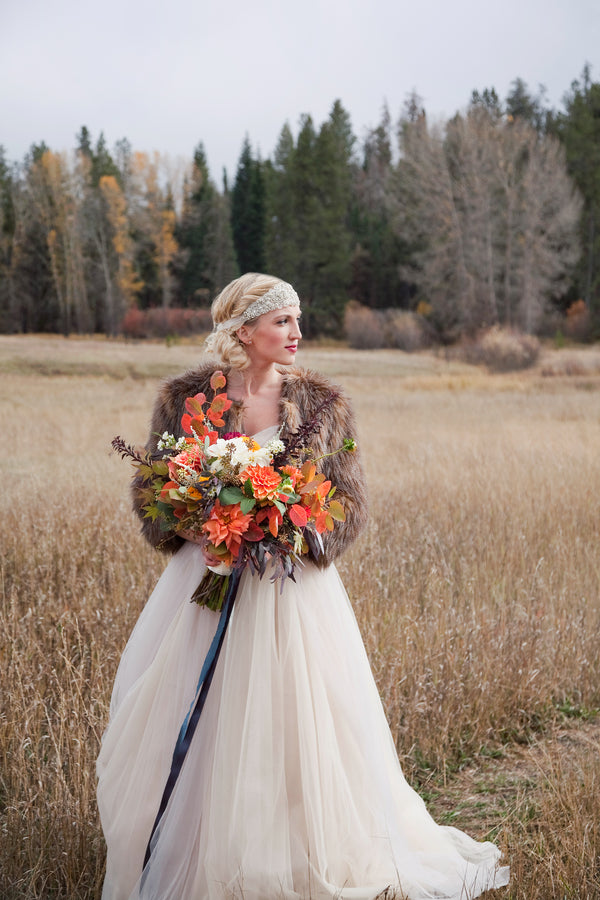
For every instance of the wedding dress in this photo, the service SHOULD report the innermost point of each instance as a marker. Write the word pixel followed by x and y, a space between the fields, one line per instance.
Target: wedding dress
pixel 292 786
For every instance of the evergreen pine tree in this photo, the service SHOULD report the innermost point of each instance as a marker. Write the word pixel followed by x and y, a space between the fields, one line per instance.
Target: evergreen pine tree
pixel 279 237
pixel 331 236
pixel 579 129
pixel 102 161
pixel 248 212
pixel 521 104
pixel 308 235
pixel 206 254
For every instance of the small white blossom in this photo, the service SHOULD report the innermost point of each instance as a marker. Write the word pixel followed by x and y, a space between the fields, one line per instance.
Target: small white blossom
pixel 166 441
pixel 275 446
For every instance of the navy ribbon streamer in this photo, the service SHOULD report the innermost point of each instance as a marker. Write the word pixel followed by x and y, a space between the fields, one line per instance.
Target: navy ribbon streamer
pixel 186 732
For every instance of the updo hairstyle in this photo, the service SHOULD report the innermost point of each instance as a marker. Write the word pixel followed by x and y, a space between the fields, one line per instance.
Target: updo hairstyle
pixel 232 302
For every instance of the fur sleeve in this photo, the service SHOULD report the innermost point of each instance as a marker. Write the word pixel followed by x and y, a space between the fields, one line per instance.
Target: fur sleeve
pixel 345 472
pixel 166 416
pixel 305 391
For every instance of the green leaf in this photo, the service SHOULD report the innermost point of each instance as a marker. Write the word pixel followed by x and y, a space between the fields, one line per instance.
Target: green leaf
pixel 230 494
pixel 247 503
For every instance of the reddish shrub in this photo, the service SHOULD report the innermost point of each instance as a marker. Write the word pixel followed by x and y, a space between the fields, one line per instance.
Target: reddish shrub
pixel 162 322
pixel 577 323
pixel 371 329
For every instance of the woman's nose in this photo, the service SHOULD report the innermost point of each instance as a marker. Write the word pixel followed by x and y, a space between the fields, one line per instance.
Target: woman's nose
pixel 295 331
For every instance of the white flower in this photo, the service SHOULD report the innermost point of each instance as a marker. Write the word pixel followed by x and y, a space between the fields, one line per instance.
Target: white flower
pixel 241 455
pixel 261 457
pixel 218 449
pixel 275 446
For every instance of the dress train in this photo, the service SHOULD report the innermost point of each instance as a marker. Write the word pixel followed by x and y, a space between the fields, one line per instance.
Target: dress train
pixel 292 786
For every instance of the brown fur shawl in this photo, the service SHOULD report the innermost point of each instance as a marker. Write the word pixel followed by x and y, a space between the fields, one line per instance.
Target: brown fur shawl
pixel 302 392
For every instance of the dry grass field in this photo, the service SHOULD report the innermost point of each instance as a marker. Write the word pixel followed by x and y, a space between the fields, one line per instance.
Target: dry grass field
pixel 476 587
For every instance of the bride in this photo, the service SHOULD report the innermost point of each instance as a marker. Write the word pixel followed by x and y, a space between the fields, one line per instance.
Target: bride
pixel 291 787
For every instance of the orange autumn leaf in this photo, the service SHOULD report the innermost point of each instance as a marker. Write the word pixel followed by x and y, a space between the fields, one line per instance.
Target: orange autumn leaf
pixel 274 517
pixel 298 515
pixel 217 380
pixel 194 404
pixel 220 404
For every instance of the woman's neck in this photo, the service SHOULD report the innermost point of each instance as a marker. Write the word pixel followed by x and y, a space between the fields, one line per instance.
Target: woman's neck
pixel 259 392
pixel 247 383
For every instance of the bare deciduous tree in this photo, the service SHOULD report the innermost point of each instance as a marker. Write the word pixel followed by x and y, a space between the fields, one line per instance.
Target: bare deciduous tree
pixel 492 213
pixel 58 186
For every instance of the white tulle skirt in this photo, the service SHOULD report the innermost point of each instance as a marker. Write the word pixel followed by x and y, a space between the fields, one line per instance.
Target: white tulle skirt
pixel 292 787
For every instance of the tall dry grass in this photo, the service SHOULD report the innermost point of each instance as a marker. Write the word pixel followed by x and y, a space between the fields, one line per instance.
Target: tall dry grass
pixel 476 588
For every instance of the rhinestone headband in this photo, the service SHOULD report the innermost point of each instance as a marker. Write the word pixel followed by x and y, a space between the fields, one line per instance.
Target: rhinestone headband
pixel 280 295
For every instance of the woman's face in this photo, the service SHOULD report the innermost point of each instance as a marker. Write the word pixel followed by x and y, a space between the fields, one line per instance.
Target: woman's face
pixel 274 338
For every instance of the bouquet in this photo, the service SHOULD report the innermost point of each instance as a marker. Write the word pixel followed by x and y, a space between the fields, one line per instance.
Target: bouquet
pixel 248 505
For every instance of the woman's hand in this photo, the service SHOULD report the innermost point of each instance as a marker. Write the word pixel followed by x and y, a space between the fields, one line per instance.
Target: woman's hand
pixel 190 535
pixel 197 538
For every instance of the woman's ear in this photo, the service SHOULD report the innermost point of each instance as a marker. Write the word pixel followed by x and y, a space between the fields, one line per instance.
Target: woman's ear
pixel 243 334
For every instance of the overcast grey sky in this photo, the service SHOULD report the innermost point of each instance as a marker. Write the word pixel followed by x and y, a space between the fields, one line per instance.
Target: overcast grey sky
pixel 167 75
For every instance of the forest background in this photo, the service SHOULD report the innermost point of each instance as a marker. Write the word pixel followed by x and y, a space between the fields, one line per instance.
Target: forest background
pixel 422 232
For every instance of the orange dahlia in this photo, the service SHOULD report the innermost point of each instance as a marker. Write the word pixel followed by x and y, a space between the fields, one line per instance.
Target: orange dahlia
pixel 264 480
pixel 226 525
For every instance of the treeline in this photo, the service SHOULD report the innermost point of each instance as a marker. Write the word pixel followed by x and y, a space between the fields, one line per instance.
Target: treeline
pixel 492 217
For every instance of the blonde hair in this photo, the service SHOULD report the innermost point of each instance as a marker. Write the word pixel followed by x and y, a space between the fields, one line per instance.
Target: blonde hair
pixel 232 302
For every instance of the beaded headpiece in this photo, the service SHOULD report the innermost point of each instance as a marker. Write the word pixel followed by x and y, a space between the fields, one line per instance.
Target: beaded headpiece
pixel 280 295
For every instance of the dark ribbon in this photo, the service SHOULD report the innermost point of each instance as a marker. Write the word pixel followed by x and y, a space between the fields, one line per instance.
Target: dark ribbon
pixel 186 732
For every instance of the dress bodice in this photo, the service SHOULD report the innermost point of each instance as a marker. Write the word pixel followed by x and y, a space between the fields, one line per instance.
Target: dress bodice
pixel 263 437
